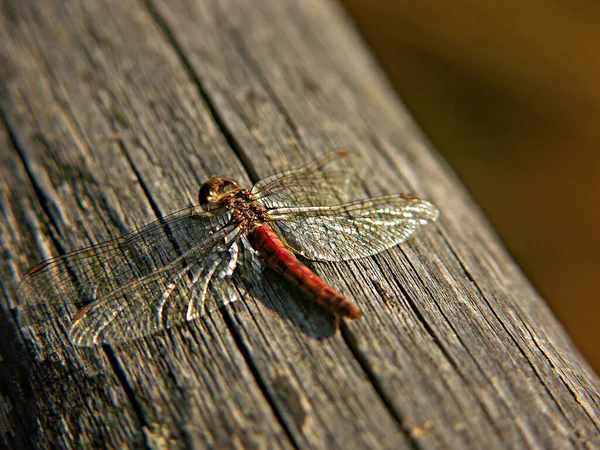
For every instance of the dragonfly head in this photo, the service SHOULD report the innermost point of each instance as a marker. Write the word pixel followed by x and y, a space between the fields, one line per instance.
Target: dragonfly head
pixel 213 189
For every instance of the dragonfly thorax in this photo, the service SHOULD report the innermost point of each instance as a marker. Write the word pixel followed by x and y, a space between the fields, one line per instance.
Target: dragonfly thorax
pixel 220 192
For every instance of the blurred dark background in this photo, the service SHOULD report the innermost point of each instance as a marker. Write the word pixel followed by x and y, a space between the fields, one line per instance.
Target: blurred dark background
pixel 509 92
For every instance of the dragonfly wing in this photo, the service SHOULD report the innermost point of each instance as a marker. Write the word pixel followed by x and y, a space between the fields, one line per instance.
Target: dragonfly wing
pixel 190 287
pixel 64 285
pixel 331 179
pixel 78 277
pixel 352 230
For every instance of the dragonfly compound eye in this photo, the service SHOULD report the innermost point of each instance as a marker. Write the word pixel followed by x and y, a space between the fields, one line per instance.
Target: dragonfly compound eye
pixel 214 187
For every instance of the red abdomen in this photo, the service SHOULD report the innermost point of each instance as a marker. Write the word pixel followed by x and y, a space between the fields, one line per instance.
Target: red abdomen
pixel 264 240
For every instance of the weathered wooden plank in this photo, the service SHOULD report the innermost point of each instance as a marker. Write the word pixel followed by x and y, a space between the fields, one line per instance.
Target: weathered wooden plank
pixel 120 109
pixel 469 319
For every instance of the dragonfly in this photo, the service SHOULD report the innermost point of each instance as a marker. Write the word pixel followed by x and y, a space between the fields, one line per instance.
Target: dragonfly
pixel 189 263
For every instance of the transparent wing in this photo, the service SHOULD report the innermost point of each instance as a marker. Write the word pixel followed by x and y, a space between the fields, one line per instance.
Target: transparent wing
pixel 195 284
pixel 101 268
pixel 150 259
pixel 352 230
pixel 329 180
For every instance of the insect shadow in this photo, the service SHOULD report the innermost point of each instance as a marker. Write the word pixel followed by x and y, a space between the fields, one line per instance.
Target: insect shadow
pixel 290 304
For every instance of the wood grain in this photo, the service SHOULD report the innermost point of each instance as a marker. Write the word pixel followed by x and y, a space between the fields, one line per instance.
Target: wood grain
pixel 115 111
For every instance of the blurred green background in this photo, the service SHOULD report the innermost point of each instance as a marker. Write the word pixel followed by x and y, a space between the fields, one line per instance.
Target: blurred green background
pixel 509 92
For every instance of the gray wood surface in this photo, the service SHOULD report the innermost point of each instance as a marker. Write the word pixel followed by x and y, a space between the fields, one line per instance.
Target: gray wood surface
pixel 113 113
